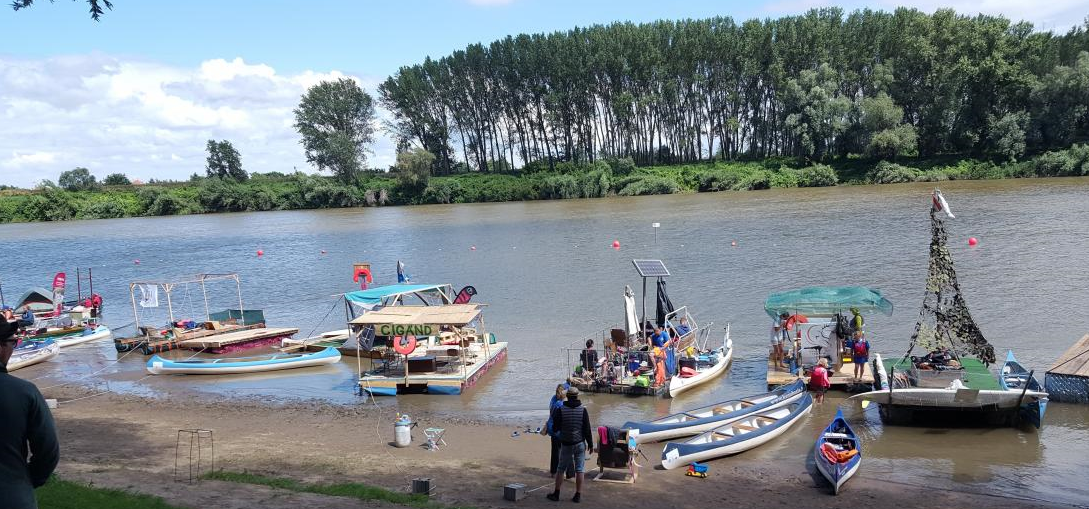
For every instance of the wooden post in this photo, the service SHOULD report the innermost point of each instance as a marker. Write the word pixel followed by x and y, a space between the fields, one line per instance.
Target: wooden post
pixel 204 290
pixel 135 313
pixel 241 308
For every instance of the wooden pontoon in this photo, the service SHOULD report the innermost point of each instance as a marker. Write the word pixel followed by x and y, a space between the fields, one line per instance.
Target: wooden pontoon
pixel 444 355
pixel 1068 379
pixel 236 338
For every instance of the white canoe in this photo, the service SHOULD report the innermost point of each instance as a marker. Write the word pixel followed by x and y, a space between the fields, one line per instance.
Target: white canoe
pixel 236 365
pixel 100 332
pixel 723 355
pixel 31 353
pixel 736 437
pixel 950 398
pixel 699 420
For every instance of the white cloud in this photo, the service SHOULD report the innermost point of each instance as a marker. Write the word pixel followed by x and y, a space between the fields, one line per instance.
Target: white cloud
pixel 148 119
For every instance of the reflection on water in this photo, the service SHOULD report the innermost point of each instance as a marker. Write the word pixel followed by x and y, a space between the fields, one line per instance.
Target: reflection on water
pixel 550 278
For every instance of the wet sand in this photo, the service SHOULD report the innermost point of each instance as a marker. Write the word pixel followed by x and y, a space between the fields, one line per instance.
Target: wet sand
pixel 129 442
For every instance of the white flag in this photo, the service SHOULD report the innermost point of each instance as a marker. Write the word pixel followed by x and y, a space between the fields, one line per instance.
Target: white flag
pixel 149 296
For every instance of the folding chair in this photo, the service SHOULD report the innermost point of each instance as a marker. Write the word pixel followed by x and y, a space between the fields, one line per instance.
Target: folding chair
pixel 434 438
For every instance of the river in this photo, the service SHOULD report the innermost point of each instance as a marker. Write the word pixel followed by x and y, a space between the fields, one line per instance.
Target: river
pixel 550 278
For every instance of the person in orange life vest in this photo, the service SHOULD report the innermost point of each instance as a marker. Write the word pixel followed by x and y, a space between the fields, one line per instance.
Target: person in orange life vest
pixel 659 366
pixel 860 354
pixel 818 380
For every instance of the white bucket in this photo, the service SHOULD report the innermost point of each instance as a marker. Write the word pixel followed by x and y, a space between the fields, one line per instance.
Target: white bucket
pixel 402 432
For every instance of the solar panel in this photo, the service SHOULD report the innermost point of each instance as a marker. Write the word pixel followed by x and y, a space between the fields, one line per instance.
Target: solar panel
pixel 650 268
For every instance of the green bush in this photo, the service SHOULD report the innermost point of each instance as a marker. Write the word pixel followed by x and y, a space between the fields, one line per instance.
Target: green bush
pixel 649 184
pixel 596 183
pixel 891 173
pixel 559 187
pixel 1063 163
pixel 784 177
pixel 818 175
pixel 623 166
pixel 103 209
pixel 756 180
pixel 442 191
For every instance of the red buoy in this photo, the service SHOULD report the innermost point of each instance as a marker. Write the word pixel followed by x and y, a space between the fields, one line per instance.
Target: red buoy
pixel 616 244
pixel 260 253
pixel 972 241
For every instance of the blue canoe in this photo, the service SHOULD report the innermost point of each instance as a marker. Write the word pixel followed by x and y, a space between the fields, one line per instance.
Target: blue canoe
pixel 1014 377
pixel 738 436
pixel 235 365
pixel 839 438
pixel 696 421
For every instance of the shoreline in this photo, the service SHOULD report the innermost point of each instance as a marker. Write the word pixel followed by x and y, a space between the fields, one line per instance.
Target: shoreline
pixel 124 442
pixel 278 192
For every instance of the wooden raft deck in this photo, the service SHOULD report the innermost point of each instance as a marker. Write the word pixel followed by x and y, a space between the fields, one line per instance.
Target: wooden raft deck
pixel 1074 361
pixel 237 337
pixel 841 379
pixel 625 386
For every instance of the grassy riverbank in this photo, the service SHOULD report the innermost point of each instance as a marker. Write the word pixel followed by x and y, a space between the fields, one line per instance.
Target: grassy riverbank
pixel 62 494
pixel 274 191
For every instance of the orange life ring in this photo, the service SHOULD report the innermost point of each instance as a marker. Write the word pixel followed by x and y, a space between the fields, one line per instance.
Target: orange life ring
pixel 366 273
pixel 404 345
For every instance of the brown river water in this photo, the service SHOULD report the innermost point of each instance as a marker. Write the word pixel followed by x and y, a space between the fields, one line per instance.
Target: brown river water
pixel 550 278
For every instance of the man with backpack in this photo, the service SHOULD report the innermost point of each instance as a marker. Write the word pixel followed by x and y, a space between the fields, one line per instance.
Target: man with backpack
pixel 860 354
pixel 576 441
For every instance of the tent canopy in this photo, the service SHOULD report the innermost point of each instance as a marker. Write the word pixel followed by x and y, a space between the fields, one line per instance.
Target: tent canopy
pixel 827 300
pixel 37 299
pixel 375 296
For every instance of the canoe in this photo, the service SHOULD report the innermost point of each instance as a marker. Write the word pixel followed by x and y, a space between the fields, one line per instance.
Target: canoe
pixel 736 437
pixel 699 420
pixel 705 371
pixel 85 336
pixel 837 437
pixel 1014 377
pixel 255 364
pixel 32 352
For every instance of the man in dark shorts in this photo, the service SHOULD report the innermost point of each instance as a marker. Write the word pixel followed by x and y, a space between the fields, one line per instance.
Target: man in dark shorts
pixel 28 439
pixel 576 442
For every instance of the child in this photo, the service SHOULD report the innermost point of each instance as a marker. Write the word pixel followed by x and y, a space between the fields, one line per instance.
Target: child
pixel 860 354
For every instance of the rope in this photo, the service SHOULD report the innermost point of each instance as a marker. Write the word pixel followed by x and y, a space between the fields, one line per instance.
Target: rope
pixel 109 365
pixel 327 313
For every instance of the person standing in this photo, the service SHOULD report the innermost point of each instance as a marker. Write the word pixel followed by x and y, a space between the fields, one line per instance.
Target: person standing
pixel 818 380
pixel 576 442
pixel 28 439
pixel 552 429
pixel 860 354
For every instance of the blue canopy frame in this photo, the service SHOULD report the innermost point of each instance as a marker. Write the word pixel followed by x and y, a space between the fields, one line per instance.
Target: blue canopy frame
pixel 827 300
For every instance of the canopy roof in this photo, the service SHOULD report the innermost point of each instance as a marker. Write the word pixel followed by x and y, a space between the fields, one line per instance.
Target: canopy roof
pixel 451 314
pixel 826 300
pixel 374 296
pixel 38 299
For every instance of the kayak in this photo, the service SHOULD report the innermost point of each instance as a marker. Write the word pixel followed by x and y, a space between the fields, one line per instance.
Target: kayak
pixel 707 367
pixel 236 365
pixel 1014 377
pixel 838 452
pixel 85 336
pixel 30 353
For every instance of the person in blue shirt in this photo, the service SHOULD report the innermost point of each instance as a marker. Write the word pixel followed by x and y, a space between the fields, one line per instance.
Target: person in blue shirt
pixel 683 328
pixel 661 340
pixel 552 429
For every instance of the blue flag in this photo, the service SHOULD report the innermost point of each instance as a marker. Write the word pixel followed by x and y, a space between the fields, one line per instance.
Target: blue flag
pixel 401 276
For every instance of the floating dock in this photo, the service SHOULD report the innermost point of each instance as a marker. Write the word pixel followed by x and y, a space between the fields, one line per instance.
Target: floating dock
pixel 454 381
pixel 1068 379
pixel 842 379
pixel 236 338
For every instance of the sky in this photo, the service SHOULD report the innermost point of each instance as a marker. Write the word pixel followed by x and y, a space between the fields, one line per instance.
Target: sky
pixel 141 91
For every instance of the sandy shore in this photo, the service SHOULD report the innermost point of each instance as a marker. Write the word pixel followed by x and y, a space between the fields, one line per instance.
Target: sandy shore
pixel 129 442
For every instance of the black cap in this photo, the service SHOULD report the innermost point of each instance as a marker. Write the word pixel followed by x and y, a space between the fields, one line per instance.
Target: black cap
pixel 7 329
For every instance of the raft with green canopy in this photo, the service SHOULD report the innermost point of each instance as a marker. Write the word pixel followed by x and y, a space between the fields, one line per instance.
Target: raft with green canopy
pixel 826 301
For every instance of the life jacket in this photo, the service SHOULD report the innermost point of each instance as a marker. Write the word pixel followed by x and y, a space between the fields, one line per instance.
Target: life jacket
pixel 819 377
pixel 571 415
pixel 861 348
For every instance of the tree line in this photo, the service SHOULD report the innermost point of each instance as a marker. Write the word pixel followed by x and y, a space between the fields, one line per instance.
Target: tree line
pixel 817 86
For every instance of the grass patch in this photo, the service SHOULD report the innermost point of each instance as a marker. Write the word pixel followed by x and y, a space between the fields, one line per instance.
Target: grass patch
pixel 350 490
pixel 61 494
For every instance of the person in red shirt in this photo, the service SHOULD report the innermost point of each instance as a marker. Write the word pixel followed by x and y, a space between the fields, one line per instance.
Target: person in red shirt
pixel 818 380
